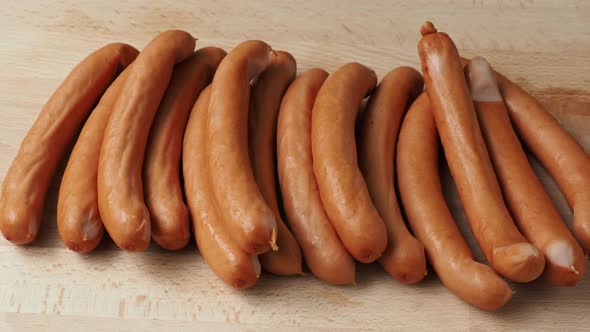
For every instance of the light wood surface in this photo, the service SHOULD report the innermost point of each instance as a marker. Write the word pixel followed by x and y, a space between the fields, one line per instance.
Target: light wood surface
pixel 543 45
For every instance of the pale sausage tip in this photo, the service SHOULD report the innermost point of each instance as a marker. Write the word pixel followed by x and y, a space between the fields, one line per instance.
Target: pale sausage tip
pixel 482 81
pixel 560 253
pixel 427 28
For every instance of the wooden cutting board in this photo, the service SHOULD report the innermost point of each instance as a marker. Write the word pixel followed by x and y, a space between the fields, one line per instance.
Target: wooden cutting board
pixel 544 45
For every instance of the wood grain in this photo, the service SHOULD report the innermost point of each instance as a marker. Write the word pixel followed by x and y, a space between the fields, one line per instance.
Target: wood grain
pixel 543 45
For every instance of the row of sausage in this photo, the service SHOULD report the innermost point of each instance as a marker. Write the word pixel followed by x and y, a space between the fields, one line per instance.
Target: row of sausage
pixel 235 123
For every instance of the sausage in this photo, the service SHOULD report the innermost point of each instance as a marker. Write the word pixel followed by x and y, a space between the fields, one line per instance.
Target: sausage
pixel 78 220
pixel 265 100
pixel 378 128
pixel 120 187
pixel 429 217
pixel 234 266
pixel 163 193
pixel 323 251
pixel 342 188
pixel 251 222
pixel 27 180
pixel 531 207
pixel 508 252
pixel 558 151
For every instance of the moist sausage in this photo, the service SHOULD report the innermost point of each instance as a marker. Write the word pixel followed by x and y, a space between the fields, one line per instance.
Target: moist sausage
pixel 558 151
pixel 27 180
pixel 78 220
pixel 341 184
pixel 163 194
pixel 251 222
pixel 379 125
pixel 120 186
pixel 323 251
pixel 429 217
pixel 234 266
pixel 508 252
pixel 265 100
pixel 531 207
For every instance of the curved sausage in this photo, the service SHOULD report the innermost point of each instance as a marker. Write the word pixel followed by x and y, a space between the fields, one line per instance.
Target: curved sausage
pixel 250 220
pixel 163 193
pixel 430 219
pixel 342 187
pixel 234 266
pixel 378 128
pixel 558 151
pixel 533 210
pixel 506 249
pixel 120 186
pixel 27 180
pixel 323 251
pixel 265 100
pixel 78 220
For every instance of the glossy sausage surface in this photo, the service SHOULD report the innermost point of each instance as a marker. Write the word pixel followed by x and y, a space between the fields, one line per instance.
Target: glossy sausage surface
pixel 265 100
pixel 531 207
pixel 558 151
pixel 120 184
pixel 418 153
pixel 250 220
pixel 342 187
pixel 161 176
pixel 507 250
pixel 378 129
pixel 323 251
pixel 78 219
pixel 234 266
pixel 27 180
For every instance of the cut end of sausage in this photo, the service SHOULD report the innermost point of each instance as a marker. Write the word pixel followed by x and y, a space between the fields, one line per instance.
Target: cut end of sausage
pixel 519 262
pixel 565 267
pixel 90 229
pixel 427 28
pixel 561 254
pixel 482 81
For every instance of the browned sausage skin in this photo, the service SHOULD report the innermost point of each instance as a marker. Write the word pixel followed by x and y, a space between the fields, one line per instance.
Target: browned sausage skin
pixel 78 219
pixel 265 100
pixel 120 183
pixel 250 220
pixel 163 194
pixel 342 187
pixel 506 249
pixel 324 253
pixel 234 266
pixel 379 125
pixel 429 217
pixel 27 180
pixel 558 151
pixel 531 207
